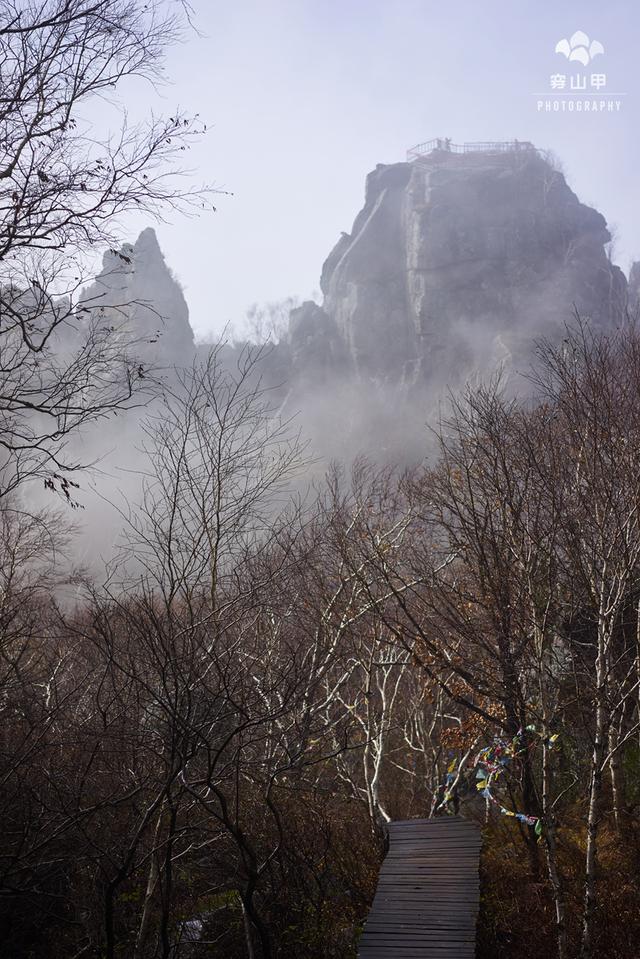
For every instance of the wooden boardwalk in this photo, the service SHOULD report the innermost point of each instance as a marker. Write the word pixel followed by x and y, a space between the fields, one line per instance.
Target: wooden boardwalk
pixel 426 903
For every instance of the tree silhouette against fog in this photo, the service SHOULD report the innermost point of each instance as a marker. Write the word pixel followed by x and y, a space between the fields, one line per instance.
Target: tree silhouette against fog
pixel 64 184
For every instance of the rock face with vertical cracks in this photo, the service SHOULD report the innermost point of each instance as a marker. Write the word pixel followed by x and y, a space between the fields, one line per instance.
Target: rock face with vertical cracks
pixel 457 261
pixel 455 265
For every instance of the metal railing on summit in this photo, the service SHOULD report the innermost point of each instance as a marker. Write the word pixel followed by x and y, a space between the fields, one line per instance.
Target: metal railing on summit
pixel 439 146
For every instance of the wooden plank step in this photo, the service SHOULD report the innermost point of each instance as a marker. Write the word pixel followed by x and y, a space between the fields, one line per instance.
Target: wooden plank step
pixel 427 898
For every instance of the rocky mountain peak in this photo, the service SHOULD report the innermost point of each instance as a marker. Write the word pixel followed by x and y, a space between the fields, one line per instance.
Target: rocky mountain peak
pixel 457 260
pixel 137 287
pixel 455 265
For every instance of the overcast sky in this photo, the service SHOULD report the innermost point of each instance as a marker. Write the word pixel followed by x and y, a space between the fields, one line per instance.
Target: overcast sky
pixel 302 99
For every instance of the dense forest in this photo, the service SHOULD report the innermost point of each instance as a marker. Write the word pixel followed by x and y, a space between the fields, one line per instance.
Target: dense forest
pixel 208 745
pixel 200 749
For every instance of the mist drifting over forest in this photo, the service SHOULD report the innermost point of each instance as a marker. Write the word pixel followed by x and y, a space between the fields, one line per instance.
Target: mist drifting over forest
pixel 459 263
pixel 319 623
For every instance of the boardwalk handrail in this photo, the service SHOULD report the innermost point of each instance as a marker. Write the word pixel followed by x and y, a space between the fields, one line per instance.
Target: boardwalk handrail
pixel 478 146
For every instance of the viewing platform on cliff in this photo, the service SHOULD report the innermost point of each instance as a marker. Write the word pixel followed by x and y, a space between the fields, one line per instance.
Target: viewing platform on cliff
pixel 440 147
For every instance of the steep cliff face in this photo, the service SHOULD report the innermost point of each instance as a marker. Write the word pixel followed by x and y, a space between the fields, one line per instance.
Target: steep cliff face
pixel 457 260
pixel 456 263
pixel 136 289
pixel 634 289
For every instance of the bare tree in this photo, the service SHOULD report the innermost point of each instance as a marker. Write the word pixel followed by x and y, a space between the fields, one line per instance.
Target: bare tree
pixel 206 552
pixel 64 184
pixel 591 380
